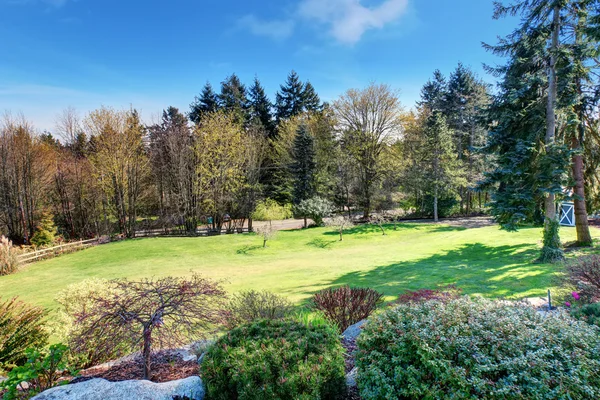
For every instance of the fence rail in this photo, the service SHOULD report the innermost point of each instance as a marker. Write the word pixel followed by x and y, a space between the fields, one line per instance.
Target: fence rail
pixel 53 251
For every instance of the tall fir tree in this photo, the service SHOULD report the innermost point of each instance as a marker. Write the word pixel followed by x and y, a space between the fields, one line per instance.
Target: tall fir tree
pixel 290 99
pixel 233 98
pixel 260 109
pixel 311 100
pixel 303 168
pixel 207 102
pixel 434 92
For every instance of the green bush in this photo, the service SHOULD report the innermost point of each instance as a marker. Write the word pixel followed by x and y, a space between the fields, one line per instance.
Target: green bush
pixel 273 359
pixel 477 349
pixel 9 262
pixel 269 210
pixel 21 327
pixel 251 305
pixel 315 208
pixel 45 233
pixel 589 313
pixel 41 372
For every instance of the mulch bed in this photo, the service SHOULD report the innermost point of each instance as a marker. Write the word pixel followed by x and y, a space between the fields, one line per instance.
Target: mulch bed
pixel 165 367
pixel 349 349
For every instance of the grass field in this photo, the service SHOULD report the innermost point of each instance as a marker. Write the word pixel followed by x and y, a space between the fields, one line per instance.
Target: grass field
pixel 483 261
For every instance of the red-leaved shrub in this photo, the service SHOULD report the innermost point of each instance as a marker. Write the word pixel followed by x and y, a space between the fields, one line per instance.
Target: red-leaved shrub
pixel 346 305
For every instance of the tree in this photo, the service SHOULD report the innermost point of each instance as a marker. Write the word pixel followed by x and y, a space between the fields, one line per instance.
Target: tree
pixel 311 100
pixel 370 121
pixel 441 167
pixel 303 166
pixel 233 99
pixel 260 109
pixel 340 223
pixel 290 99
pixel 315 208
pixel 268 211
pixel 220 151
pixel 207 102
pixel 148 313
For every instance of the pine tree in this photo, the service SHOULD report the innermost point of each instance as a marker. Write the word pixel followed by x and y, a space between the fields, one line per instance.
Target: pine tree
pixel 233 98
pixel 290 98
pixel 303 167
pixel 311 100
pixel 434 92
pixel 260 108
pixel 441 167
pixel 207 102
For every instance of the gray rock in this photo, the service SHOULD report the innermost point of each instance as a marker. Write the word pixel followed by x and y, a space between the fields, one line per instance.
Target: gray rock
pixel 101 389
pixel 353 331
pixel 351 378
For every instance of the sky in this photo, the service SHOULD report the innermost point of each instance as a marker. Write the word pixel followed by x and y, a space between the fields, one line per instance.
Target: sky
pixel 153 54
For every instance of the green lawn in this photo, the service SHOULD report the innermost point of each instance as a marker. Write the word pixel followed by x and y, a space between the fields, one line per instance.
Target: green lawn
pixel 483 261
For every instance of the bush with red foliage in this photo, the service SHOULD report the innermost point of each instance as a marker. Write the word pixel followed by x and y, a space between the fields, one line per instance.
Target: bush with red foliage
pixel 583 273
pixel 447 293
pixel 346 305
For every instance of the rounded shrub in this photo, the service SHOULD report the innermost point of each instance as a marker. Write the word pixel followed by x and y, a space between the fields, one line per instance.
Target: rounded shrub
pixel 276 359
pixel 474 349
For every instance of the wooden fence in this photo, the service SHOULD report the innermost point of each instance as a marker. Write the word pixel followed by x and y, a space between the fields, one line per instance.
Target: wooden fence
pixel 54 251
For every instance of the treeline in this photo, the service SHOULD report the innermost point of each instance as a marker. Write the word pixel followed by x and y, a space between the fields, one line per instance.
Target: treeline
pixel 109 173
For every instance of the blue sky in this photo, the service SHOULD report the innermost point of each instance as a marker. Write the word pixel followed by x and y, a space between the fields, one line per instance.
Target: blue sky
pixel 152 54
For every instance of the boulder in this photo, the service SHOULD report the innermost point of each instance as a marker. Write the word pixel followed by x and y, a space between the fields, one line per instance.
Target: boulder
pixel 351 378
pixel 101 389
pixel 354 330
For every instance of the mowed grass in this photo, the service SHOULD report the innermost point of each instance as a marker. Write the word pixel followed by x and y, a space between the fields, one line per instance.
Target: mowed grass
pixel 296 264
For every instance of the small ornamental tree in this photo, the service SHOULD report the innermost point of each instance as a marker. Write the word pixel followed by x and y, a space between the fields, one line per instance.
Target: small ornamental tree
pixel 269 210
pixel 266 231
pixel 339 223
pixel 150 313
pixel 379 219
pixel 316 208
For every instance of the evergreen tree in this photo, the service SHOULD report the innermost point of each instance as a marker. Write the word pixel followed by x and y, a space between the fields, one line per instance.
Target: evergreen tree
pixel 260 108
pixel 303 168
pixel 311 100
pixel 434 92
pixel 207 102
pixel 290 100
pixel 233 98
pixel 441 168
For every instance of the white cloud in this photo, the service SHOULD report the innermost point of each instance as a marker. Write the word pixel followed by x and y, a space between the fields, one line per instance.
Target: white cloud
pixel 53 3
pixel 349 19
pixel 274 29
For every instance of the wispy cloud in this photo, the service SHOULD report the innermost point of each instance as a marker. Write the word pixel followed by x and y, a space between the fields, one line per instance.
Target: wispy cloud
pixel 348 20
pixel 274 29
pixel 53 3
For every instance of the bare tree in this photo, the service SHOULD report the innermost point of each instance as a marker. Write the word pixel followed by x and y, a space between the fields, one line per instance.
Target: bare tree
pixel 339 223
pixel 370 120
pixel 68 125
pixel 152 314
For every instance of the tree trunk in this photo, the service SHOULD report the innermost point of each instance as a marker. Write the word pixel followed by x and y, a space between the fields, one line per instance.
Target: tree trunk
pixel 305 222
pixel 341 237
pixel 435 206
pixel 146 351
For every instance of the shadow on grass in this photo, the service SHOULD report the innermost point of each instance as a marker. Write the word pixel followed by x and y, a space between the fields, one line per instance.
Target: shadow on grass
pixel 374 228
pixel 502 271
pixel 321 243
pixel 248 249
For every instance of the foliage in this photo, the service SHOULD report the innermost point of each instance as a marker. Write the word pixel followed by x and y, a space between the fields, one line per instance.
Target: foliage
pixel 41 372
pixel 9 262
pixel 148 313
pixel 316 208
pixel 303 168
pixel 89 345
pixel 45 233
pixel 340 223
pixel 270 210
pixel 589 313
pixel 266 232
pixel 477 348
pixel 346 305
pixel 583 273
pixel 444 294
pixel 21 327
pixel 275 359
pixel 551 250
pixel 250 305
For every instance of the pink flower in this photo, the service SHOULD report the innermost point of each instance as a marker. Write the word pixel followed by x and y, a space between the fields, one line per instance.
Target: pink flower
pixel 567 304
pixel 575 295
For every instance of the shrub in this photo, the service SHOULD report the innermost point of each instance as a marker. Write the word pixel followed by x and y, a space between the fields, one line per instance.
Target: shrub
pixel 345 306
pixel 584 274
pixel 315 208
pixel 447 293
pixel 275 360
pixel 165 312
pixel 589 313
pixel 9 261
pixel 41 372
pixel 251 305
pixel 21 327
pixel 269 210
pixel 45 232
pixel 469 349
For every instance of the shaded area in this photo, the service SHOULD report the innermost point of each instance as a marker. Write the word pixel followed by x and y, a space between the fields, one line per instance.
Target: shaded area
pixel 365 229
